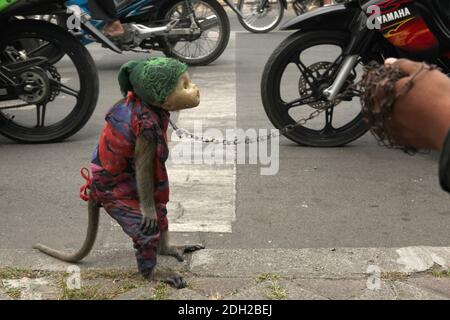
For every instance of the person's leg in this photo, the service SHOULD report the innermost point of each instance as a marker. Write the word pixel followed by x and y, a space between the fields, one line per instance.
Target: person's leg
pixel 114 29
pixel 106 10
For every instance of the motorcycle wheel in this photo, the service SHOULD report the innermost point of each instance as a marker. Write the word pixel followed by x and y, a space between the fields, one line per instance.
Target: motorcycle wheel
pixel 52 53
pixel 190 50
pixel 83 91
pixel 260 22
pixel 280 109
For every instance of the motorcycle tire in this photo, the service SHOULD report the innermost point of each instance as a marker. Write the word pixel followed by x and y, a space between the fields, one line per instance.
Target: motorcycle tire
pixel 262 29
pixel 224 37
pixel 271 96
pixel 88 86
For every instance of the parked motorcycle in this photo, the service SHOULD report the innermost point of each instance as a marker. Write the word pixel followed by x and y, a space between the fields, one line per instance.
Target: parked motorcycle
pixel 41 101
pixel 316 67
pixel 193 31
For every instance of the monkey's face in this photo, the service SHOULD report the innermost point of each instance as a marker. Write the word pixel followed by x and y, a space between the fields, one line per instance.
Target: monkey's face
pixel 186 95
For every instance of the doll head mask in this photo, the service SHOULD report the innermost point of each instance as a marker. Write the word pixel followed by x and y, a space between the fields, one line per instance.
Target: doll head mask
pixel 160 82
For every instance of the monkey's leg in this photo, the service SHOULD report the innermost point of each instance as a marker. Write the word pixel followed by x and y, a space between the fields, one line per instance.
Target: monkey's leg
pixel 127 213
pixel 165 249
pixel 91 235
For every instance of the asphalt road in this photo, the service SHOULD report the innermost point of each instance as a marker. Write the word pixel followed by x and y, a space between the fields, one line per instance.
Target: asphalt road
pixel 360 195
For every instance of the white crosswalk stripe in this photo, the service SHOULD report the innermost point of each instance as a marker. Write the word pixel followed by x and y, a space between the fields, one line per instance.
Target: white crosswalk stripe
pixel 203 195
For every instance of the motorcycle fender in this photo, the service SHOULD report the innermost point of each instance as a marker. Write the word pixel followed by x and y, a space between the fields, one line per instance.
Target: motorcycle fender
pixel 337 16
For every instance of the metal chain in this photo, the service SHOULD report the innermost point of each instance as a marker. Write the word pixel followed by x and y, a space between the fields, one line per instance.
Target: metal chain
pixel 368 88
pixel 180 132
pixel 55 74
pixel 378 98
pixel 352 89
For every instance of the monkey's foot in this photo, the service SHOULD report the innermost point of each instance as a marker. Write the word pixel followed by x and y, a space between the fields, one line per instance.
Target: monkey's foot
pixel 178 252
pixel 188 249
pixel 171 278
pixel 192 248
pixel 177 282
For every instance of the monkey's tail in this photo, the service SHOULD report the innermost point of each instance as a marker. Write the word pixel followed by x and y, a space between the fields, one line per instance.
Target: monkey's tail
pixel 91 235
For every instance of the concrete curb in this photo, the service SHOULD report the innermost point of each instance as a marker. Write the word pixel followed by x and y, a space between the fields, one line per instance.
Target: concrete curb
pixel 4 296
pixel 98 259
pixel 328 263
pixel 297 263
pixel 342 273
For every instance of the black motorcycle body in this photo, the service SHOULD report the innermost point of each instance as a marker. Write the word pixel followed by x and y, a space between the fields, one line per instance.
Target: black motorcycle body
pixel 429 18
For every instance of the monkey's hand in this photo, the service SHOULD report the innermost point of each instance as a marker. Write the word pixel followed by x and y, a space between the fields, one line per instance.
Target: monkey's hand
pixel 149 223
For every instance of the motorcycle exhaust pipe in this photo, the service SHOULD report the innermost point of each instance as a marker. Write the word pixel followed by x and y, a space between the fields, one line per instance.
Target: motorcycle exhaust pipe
pixel 143 32
pixel 208 22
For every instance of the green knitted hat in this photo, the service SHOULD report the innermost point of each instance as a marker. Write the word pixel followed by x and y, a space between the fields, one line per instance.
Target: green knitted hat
pixel 152 80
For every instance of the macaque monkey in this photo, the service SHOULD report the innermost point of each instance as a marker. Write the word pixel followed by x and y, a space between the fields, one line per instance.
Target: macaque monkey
pixel 129 174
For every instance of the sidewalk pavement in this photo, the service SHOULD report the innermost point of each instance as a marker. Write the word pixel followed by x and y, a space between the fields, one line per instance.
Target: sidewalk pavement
pixel 263 274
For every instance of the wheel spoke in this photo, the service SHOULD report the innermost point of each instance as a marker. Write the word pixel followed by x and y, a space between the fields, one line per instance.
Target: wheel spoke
pixel 329 120
pixel 207 41
pixel 307 75
pixel 197 47
pixel 333 67
pixel 188 51
pixel 36 50
pixel 309 98
pixel 40 115
pixel 65 89
pixel 251 19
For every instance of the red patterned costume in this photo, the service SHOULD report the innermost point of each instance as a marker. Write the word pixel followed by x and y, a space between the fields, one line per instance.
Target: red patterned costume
pixel 114 176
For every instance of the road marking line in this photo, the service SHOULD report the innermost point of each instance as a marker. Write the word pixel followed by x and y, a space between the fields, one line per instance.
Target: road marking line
pixel 203 197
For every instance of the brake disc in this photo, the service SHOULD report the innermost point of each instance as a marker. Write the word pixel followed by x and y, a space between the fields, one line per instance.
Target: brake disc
pixel 317 69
